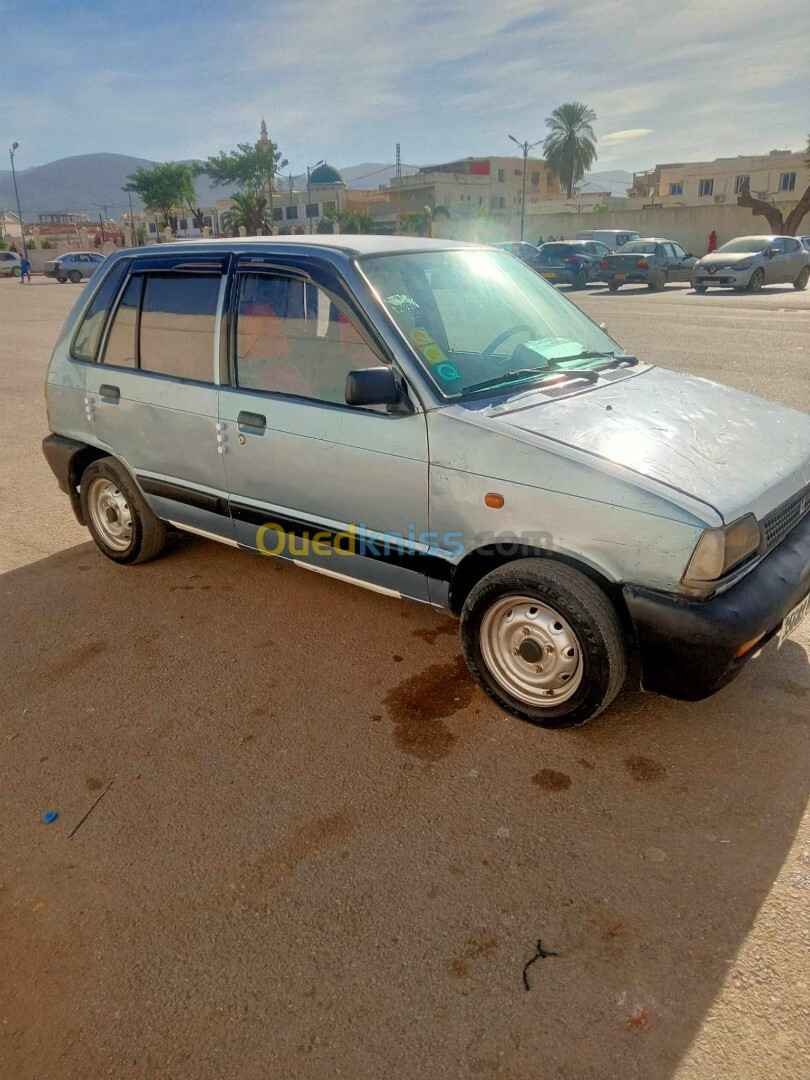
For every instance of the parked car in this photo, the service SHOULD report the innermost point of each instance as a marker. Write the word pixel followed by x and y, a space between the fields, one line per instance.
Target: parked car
pixel 612 238
pixel 432 420
pixel 651 262
pixel 571 262
pixel 10 264
pixel 75 266
pixel 749 262
pixel 522 250
pixel 805 242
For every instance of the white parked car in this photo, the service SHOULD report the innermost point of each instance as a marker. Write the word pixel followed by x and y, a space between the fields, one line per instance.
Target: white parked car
pixel 749 262
pixel 10 264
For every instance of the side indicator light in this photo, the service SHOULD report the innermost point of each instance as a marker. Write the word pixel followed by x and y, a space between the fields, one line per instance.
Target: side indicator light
pixel 493 500
pixel 747 647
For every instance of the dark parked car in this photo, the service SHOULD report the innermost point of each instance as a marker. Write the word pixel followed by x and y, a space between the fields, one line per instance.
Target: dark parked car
pixel 527 253
pixel 651 262
pixel 571 262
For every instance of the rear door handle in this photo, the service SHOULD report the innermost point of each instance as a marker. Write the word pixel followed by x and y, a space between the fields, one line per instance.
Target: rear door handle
pixel 112 393
pixel 255 422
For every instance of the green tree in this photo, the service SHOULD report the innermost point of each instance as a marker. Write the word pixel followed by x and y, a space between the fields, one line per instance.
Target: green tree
pixel 248 211
pixel 251 168
pixel 166 189
pixel 351 221
pixel 570 146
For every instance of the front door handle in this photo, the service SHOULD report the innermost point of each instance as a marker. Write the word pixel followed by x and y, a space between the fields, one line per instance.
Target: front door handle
pixel 252 420
pixel 112 393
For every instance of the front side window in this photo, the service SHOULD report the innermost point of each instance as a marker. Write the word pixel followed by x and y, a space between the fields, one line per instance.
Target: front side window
pixel 177 325
pixel 680 253
pixel 705 187
pixel 87 337
pixel 293 338
pixel 481 317
pixel 787 181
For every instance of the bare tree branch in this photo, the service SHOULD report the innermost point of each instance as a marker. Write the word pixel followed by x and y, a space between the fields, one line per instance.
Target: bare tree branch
pixel 794 218
pixel 760 208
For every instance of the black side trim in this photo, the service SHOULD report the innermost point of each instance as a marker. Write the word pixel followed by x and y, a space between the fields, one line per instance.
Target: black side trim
pixel 202 500
pixel 432 566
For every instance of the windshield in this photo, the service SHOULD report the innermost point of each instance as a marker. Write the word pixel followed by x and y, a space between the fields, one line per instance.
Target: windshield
pixel 745 244
pixel 638 247
pixel 477 317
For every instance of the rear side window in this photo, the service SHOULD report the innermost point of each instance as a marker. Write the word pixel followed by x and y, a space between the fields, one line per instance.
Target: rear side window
pixel 87 336
pixel 178 323
pixel 121 347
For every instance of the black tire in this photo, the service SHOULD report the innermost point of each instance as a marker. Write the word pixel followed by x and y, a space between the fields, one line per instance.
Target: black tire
pixel 756 281
pixel 801 281
pixel 148 532
pixel 581 280
pixel 613 286
pixel 590 615
pixel 75 276
pixel 16 271
pixel 700 288
pixel 62 280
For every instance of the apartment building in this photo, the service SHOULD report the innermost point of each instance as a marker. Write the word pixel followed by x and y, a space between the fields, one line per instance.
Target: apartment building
pixel 780 177
pixel 477 185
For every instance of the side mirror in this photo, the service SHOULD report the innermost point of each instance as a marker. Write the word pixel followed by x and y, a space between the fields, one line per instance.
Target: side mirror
pixel 772 251
pixel 373 386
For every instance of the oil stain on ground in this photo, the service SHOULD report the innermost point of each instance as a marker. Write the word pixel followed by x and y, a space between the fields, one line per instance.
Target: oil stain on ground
pixel 644 769
pixel 551 780
pixel 448 626
pixel 418 705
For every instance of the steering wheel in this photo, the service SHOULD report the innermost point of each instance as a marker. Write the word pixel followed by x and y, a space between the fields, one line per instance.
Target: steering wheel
pixel 501 338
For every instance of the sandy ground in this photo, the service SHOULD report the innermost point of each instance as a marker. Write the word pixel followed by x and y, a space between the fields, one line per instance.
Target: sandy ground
pixel 325 853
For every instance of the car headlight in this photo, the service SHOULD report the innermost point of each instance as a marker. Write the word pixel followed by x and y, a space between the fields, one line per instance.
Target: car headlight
pixel 743 265
pixel 720 550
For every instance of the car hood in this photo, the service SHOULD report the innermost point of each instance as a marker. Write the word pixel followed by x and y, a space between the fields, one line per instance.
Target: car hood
pixel 728 449
pixel 721 258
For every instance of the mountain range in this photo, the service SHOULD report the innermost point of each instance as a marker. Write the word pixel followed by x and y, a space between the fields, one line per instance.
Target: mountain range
pixel 87 183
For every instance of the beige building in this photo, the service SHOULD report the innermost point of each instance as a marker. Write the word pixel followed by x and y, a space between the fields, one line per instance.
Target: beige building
pixel 779 177
pixel 477 186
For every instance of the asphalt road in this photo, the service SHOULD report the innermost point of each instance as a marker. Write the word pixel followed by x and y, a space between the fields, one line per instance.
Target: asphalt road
pixel 325 853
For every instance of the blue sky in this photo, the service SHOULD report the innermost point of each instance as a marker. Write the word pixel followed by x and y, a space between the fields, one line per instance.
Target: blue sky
pixel 346 79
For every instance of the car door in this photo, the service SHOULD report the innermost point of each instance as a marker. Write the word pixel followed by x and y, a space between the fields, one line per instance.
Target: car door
pixel 776 262
pixel 795 258
pixel 337 488
pixel 152 394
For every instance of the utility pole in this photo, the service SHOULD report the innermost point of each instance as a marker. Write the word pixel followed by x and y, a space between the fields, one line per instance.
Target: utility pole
pixel 309 190
pixel 525 147
pixel 398 184
pixel 128 189
pixel 12 148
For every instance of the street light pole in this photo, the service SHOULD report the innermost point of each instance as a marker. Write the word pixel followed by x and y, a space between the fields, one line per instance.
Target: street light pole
pixel 12 148
pixel 525 147
pixel 309 191
pixel 128 189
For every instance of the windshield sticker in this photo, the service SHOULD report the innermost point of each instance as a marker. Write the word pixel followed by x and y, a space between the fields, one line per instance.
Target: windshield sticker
pixel 447 373
pixel 432 352
pixel 401 303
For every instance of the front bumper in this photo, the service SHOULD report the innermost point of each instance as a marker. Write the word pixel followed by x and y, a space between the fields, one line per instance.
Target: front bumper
pixel 726 278
pixel 688 648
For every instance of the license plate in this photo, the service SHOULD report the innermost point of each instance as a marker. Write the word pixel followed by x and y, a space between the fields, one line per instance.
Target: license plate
pixel 621 277
pixel 549 275
pixel 792 620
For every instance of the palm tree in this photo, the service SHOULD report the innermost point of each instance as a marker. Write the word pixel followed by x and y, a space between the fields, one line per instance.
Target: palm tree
pixel 247 210
pixel 570 148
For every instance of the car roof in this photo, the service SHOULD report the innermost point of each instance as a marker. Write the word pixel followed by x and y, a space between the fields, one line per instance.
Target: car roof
pixel 348 244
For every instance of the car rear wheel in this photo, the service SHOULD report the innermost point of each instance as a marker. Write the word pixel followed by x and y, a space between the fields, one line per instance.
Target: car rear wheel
pixel 801 281
pixel 75 276
pixel 124 528
pixel 544 642
pixel 581 280
pixel 657 283
pixel 756 282
pixel 16 271
pixel 613 286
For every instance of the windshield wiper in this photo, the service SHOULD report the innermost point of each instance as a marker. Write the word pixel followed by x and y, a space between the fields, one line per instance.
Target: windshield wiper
pixel 505 377
pixel 622 358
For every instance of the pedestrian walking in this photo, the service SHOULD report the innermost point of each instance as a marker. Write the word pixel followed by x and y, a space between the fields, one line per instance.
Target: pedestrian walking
pixel 712 242
pixel 25 270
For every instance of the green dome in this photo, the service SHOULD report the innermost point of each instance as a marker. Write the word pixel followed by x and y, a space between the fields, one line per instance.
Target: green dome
pixel 325 174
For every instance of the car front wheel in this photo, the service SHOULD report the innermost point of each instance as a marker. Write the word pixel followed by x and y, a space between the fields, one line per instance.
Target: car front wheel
pixel 17 271
pixel 544 642
pixel 124 528
pixel 801 281
pixel 701 288
pixel 756 281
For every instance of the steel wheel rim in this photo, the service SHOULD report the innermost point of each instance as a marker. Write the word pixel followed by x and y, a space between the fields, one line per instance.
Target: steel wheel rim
pixel 110 513
pixel 531 651
pixel 757 279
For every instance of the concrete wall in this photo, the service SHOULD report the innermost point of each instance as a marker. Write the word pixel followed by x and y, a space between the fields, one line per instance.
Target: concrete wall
pixel 689 225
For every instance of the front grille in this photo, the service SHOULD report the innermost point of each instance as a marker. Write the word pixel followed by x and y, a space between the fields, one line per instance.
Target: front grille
pixel 780 521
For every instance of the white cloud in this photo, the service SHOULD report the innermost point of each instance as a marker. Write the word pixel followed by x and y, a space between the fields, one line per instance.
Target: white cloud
pixel 616 137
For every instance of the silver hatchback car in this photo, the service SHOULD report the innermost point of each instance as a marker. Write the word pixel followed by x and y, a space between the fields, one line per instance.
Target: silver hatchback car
pixel 74 266
pixel 749 262
pixel 432 420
